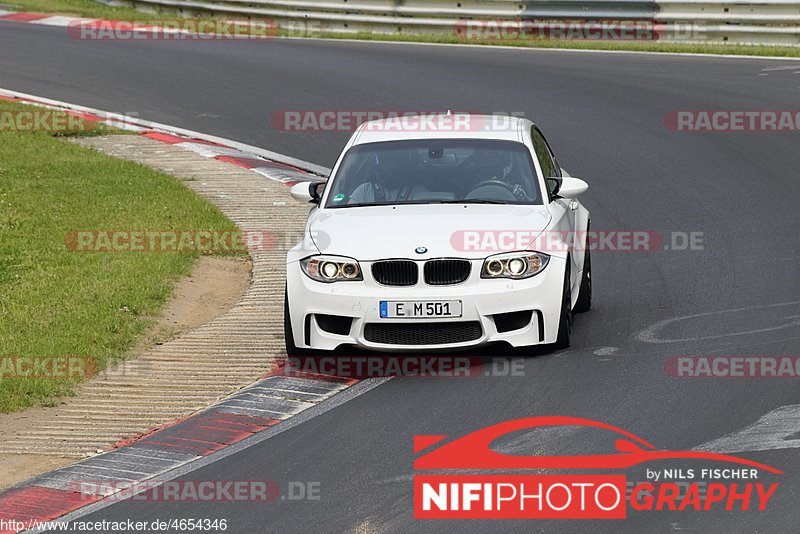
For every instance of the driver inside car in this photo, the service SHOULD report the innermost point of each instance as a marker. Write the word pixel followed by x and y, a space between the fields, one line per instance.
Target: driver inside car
pixel 390 180
pixel 498 166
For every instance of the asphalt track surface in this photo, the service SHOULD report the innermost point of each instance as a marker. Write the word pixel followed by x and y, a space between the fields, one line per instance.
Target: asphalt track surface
pixel 603 114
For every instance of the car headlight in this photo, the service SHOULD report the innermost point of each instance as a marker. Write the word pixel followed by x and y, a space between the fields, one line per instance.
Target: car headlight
pixel 516 265
pixel 331 269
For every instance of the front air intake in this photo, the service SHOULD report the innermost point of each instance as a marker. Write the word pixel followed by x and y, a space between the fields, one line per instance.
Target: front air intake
pixel 422 333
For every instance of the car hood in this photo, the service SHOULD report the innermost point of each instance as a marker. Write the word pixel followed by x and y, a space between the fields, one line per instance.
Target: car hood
pixel 371 233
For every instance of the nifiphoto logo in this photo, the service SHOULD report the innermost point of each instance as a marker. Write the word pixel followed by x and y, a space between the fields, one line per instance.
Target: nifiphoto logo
pixel 588 495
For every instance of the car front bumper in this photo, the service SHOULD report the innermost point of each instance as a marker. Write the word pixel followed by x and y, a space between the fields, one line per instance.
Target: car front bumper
pixel 482 300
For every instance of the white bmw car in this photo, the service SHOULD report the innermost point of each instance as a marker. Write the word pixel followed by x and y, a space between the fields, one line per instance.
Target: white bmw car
pixel 432 239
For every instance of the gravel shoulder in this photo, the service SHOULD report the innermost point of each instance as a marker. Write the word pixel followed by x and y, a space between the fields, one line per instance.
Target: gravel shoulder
pixel 212 356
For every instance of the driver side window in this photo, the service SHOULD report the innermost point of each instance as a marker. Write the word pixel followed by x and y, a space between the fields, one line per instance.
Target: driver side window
pixel 546 161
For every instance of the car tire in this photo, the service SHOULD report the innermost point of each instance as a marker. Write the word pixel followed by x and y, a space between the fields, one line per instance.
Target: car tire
pixel 584 302
pixel 565 317
pixel 291 349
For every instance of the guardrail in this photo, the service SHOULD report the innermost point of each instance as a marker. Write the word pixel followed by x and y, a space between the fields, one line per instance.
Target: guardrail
pixel 732 21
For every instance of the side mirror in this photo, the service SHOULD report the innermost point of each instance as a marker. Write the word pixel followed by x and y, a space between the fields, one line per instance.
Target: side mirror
pixel 567 187
pixel 308 191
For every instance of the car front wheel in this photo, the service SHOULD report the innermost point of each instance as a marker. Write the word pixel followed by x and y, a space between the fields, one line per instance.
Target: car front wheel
pixel 584 302
pixel 291 349
pixel 565 317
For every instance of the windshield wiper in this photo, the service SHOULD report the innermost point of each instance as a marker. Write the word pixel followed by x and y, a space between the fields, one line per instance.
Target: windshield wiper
pixel 469 201
pixel 364 204
pixel 417 202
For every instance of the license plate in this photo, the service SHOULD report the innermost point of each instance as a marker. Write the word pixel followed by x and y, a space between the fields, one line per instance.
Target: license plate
pixel 420 309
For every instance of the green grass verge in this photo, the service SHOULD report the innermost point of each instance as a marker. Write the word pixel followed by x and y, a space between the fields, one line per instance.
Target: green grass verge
pixel 56 302
pixel 84 8
pixel 90 8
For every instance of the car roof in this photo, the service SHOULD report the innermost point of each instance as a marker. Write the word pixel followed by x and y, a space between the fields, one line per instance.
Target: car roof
pixel 442 126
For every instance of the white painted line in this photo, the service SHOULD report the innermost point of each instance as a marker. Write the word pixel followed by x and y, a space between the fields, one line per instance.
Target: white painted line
pixel 651 333
pixel 91 472
pixel 61 21
pixel 779 68
pixel 172 458
pixel 295 391
pixel 606 351
pixel 523 49
pixel 94 466
pixel 124 126
pixel 772 431
pixel 282 175
pixel 211 151
pixel 113 463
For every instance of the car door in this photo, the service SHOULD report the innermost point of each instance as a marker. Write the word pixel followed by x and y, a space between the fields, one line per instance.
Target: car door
pixel 563 209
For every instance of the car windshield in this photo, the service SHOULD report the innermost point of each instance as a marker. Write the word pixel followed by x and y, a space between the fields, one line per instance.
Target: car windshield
pixel 435 171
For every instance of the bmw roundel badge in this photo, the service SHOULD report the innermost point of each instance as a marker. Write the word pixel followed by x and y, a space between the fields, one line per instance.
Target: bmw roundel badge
pixel 420 250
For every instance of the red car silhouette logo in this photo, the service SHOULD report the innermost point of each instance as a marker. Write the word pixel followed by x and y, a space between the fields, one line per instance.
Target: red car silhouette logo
pixel 473 450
